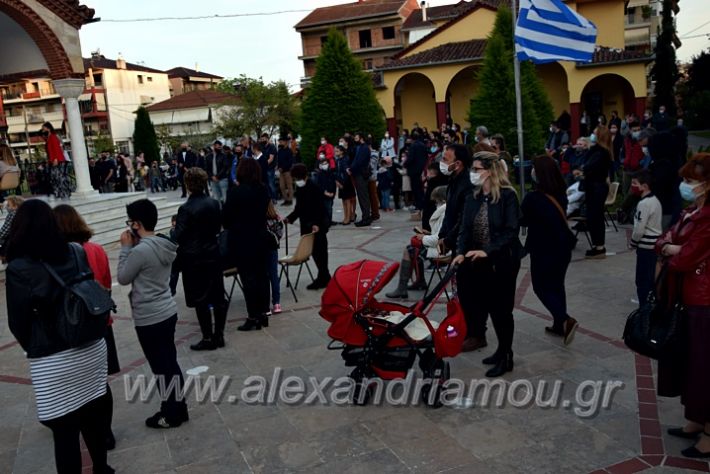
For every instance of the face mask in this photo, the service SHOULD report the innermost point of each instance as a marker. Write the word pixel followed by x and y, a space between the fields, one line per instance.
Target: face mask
pixel 341 143
pixel 475 178
pixel 444 168
pixel 477 139
pixel 613 131
pixel 433 149
pixel 45 133
pixel 300 183
pixel 324 166
pixel 387 135
pixel 635 135
pixel 644 149
pixel 578 178
pixel 322 142
pixel 663 111
pixel 687 191
pixel 533 176
pixel 593 138
pixel 635 190
pixel 552 130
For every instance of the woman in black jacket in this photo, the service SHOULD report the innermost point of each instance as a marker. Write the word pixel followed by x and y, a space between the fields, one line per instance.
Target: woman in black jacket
pixel 488 253
pixel 196 228
pixel 549 242
pixel 69 382
pixel 244 217
pixel 596 187
pixel 311 211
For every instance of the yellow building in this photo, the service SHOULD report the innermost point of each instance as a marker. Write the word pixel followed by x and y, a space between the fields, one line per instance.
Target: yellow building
pixel 436 75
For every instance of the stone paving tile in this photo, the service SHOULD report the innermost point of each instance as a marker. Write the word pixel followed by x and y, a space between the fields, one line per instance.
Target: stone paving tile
pixel 242 437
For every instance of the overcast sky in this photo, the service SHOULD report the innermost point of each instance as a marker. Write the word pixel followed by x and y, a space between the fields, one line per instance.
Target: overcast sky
pixel 265 46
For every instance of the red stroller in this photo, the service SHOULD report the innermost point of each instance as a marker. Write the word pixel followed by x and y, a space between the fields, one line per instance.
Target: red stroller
pixel 381 339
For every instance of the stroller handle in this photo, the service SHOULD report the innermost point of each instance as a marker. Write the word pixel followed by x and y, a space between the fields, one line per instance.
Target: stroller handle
pixel 434 293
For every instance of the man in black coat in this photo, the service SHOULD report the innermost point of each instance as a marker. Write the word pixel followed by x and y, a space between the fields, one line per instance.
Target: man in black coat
pixel 311 211
pixel 218 168
pixel 456 163
pixel 415 164
pixel 360 171
pixel 186 159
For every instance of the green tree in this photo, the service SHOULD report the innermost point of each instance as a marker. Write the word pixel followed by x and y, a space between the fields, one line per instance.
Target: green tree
pixel 494 106
pixel 144 138
pixel 695 93
pixel 665 69
pixel 258 108
pixel 102 142
pixel 340 99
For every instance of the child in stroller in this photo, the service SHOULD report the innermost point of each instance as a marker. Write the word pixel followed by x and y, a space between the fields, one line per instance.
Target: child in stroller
pixel 384 339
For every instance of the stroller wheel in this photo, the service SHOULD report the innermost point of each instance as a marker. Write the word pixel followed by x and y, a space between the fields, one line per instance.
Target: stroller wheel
pixel 362 392
pixel 431 393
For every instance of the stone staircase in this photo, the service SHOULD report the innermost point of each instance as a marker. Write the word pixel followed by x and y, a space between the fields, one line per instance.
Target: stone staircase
pixel 106 213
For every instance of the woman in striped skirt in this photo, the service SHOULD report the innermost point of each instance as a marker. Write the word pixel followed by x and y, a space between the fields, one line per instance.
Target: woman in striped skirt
pixel 69 382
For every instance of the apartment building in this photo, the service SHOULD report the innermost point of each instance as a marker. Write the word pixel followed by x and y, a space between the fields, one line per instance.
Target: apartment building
pixel 183 80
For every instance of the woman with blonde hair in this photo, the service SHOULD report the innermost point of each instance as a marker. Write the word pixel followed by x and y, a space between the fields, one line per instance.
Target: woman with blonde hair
pixel 488 254
pixel 596 187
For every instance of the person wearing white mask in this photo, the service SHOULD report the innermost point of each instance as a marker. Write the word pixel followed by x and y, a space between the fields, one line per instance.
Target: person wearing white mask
pixel 387 147
pixel 454 164
pixel 488 254
pixel 311 211
pixel 685 253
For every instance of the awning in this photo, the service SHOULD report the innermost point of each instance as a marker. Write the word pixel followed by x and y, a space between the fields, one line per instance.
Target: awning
pixel 84 97
pixel 637 3
pixel 637 36
pixel 180 116
pixel 17 128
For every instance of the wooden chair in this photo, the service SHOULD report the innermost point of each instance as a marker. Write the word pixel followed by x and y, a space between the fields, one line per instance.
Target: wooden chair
pixel 10 181
pixel 234 274
pixel 610 200
pixel 439 263
pixel 300 258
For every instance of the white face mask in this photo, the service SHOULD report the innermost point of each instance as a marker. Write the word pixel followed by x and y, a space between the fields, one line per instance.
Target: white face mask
pixel 300 183
pixel 387 135
pixel 324 166
pixel 644 149
pixel 444 168
pixel 323 142
pixel 476 179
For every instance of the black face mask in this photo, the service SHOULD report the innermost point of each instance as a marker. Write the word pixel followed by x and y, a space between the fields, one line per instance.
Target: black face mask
pixel 239 154
pixel 184 149
pixel 45 133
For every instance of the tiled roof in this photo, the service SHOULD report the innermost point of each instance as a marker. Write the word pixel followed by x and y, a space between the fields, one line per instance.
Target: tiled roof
pixel 603 55
pixel 192 100
pixel 442 12
pixel 446 53
pixel 101 62
pixel 186 72
pixel 350 11
pixel 71 11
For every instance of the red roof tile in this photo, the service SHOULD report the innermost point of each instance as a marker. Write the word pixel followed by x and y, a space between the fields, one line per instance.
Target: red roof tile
pixel 446 53
pixel 351 11
pixel 187 72
pixel 71 11
pixel 192 100
pixel 442 12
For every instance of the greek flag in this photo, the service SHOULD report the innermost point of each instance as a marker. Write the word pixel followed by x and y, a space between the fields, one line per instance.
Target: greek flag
pixel 548 31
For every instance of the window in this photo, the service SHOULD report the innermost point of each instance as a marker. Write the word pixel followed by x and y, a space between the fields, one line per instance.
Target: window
pixel 150 79
pixel 367 64
pixel 630 15
pixel 388 32
pixel 140 79
pixel 323 40
pixel 365 39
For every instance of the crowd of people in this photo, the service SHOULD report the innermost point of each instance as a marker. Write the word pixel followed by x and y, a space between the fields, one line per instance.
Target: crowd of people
pixel 470 214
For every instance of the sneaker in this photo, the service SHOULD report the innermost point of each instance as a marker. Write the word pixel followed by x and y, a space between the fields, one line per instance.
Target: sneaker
pixel 159 421
pixel 277 308
pixel 596 253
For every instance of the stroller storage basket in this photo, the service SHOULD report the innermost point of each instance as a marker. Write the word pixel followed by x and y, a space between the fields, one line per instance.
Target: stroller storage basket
pixel 391 359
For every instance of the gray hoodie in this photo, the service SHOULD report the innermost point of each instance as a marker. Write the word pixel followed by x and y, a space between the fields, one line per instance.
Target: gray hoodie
pixel 147 267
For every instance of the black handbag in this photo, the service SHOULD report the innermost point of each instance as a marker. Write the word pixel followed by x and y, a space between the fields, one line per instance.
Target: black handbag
pixel 655 329
pixel 84 306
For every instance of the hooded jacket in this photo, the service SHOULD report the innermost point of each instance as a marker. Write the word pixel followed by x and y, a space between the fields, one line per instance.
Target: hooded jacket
pixel 147 268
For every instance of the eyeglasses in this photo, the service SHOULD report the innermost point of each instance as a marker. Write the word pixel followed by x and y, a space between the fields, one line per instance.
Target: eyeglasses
pixel 129 222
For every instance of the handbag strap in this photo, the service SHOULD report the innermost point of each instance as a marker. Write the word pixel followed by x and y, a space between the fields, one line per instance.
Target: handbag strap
pixel 75 251
pixel 559 208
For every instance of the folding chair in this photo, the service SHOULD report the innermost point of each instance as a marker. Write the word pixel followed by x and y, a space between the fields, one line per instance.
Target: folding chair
pixel 439 263
pixel 610 200
pixel 234 274
pixel 582 221
pixel 303 253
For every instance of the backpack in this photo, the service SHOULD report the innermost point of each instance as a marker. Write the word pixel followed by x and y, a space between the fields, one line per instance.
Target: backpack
pixel 84 305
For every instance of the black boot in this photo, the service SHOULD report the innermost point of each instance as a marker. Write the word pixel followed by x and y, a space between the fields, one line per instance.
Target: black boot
pixel 405 273
pixel 220 320
pixel 504 365
pixel 250 324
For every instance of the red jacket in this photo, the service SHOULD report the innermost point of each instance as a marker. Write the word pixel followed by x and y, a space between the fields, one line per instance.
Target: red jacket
pixel 54 148
pixel 98 261
pixel 693 261
pixel 329 152
pixel 633 154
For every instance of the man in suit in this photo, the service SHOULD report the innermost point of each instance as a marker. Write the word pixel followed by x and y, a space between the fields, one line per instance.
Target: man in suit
pixel 186 159
pixel 360 172
pixel 415 164
pixel 218 168
pixel 270 152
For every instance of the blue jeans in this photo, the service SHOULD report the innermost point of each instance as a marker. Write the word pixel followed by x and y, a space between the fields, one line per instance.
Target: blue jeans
pixel 155 185
pixel 274 277
pixel 385 199
pixel 271 182
pixel 219 189
pixel 645 273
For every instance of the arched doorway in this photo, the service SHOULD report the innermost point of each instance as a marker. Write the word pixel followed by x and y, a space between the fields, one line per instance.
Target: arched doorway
pixel 462 88
pixel 415 102
pixel 606 93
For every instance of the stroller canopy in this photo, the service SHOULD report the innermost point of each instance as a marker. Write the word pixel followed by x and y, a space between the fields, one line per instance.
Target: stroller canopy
pixel 353 287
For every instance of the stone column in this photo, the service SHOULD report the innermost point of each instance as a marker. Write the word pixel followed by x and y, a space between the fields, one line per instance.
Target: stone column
pixel 70 90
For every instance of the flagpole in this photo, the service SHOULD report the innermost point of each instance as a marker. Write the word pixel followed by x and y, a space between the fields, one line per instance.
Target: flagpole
pixel 518 104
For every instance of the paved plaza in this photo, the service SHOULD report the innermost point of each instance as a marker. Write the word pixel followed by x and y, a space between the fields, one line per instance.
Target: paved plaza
pixel 235 436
